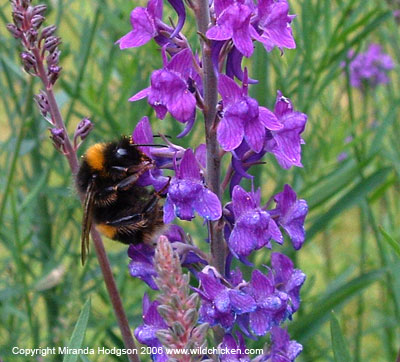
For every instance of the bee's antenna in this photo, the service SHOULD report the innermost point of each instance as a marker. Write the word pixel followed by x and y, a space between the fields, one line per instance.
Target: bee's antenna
pixel 149 145
pixel 165 135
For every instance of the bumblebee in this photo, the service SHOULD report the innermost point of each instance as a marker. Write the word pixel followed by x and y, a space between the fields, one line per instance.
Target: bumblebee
pixel 120 209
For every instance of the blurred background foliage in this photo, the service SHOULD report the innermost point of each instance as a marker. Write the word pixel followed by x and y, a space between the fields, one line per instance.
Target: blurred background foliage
pixel 351 255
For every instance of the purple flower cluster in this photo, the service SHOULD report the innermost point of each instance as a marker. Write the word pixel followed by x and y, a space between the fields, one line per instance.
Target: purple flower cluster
pixel 370 68
pixel 243 130
pixel 258 305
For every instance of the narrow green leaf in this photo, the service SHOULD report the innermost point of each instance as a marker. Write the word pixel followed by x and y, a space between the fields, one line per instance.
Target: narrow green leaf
pixel 79 333
pixel 306 326
pixel 351 198
pixel 340 350
pixel 393 243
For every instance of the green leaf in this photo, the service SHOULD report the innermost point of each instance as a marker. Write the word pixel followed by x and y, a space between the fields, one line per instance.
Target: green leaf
pixel 393 243
pixel 351 198
pixel 340 350
pixel 307 325
pixel 79 333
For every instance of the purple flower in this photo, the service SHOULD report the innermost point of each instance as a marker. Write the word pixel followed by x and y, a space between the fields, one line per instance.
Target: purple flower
pixel 146 333
pixel 370 67
pixel 277 294
pixel 233 22
pixel 242 117
pixel 145 22
pixel 169 89
pixel 274 24
pixel 254 227
pixel 287 279
pixel 236 350
pixel 285 143
pixel 187 193
pixel 282 349
pixel 142 256
pixel 220 304
pixel 290 213
pixel 141 265
pixel 271 304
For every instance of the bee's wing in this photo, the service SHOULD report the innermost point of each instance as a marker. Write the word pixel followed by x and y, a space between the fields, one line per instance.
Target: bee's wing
pixel 87 221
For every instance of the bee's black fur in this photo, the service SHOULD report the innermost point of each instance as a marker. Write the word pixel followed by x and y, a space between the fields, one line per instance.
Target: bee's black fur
pixel 122 210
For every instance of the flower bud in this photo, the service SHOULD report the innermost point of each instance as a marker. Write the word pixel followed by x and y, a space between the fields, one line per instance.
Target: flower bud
pixel 39 9
pixel 164 336
pixel 53 58
pixel 48 31
pixel 178 329
pixel 200 331
pixel 166 312
pixel 37 21
pixel 82 131
pixel 31 36
pixel 58 136
pixel 29 61
pixel 54 72
pixel 190 317
pixel 51 43
pixel 15 32
pixel 42 103
pixel 18 18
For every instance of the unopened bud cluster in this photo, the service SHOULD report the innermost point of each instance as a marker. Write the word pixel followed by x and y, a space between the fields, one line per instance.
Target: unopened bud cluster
pixel 40 58
pixel 41 52
pixel 177 307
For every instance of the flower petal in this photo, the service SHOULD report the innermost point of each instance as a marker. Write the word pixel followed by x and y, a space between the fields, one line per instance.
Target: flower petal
pixel 241 302
pixel 269 120
pixel 230 133
pixel 254 132
pixel 242 201
pixel 140 95
pixel 189 168
pixel 260 322
pixel 208 205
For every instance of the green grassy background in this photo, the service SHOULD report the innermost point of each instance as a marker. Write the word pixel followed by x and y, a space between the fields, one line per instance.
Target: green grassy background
pixel 352 265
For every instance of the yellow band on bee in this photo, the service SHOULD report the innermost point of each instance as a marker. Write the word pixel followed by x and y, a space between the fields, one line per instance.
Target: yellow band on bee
pixel 107 230
pixel 95 156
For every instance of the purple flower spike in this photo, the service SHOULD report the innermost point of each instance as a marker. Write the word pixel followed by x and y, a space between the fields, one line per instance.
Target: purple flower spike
pixel 234 23
pixel 254 227
pixel 187 194
pixel 144 25
pixel 242 117
pixel 169 90
pixel 274 23
pixel 146 333
pixel 286 142
pixel 370 68
pixel 282 348
pixel 291 214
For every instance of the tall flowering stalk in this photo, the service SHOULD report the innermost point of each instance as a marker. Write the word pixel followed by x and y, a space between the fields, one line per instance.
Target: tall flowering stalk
pixel 40 58
pixel 213 87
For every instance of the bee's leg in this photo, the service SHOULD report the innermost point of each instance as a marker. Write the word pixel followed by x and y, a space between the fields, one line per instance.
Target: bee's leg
pixel 135 169
pixel 151 204
pixel 126 220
